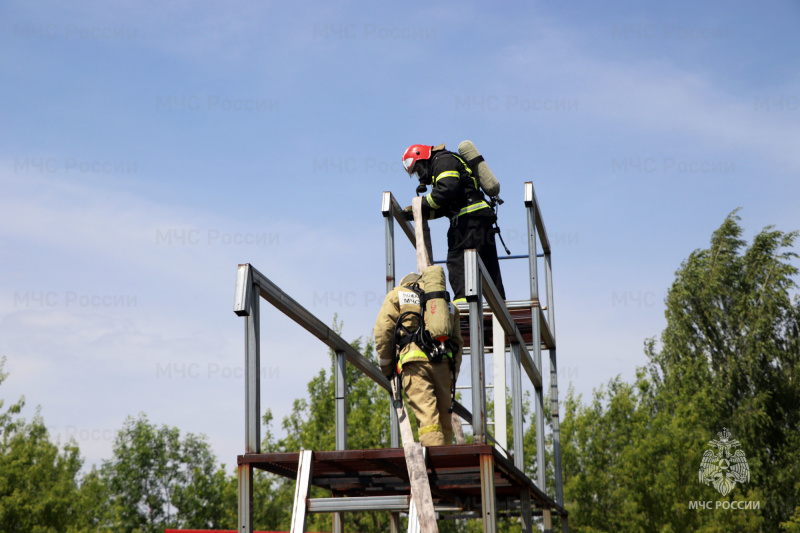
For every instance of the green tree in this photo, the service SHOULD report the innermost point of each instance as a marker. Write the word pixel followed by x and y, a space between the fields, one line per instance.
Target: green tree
pixel 731 349
pixel 728 358
pixel 157 480
pixel 38 481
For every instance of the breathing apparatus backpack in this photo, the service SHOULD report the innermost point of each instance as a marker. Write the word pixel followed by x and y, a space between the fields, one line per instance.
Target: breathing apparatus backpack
pixel 432 334
pixel 478 165
pixel 486 179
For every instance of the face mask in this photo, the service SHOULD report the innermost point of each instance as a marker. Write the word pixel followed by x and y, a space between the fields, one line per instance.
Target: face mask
pixel 421 173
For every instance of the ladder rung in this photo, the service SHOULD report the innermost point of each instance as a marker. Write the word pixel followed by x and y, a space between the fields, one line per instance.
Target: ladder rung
pixel 368 503
pixel 358 503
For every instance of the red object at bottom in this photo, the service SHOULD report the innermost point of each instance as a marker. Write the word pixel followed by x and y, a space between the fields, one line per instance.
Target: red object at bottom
pixel 214 531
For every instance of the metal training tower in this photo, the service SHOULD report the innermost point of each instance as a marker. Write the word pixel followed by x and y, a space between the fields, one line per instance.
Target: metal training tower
pixel 476 480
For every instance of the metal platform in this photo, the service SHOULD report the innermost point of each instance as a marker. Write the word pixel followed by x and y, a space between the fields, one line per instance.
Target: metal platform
pixel 520 311
pixel 463 481
pixel 454 473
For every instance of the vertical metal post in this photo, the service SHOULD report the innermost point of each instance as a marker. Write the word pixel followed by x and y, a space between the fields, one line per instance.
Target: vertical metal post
pixel 394 436
pixel 517 423
pixel 244 475
pixel 536 334
pixel 488 500
pixel 394 424
pixel 474 295
pixel 252 407
pixel 551 322
pixel 388 218
pixel 499 349
pixel 340 385
pixel 338 522
pixel 252 373
pixel 340 394
pixel 389 231
pixel 556 427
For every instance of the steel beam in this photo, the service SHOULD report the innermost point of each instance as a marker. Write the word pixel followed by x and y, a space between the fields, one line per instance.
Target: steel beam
pixel 518 424
pixel 472 279
pixel 386 209
pixel 556 427
pixel 244 288
pixel 288 306
pixel 533 218
pixel 390 207
pixel 530 201
pixel 359 503
pixel 551 322
pixel 488 499
pixel 252 367
pixel 499 359
pixel 244 475
pixel 340 397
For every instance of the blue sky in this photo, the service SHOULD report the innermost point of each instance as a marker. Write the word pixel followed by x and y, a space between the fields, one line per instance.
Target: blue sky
pixel 147 149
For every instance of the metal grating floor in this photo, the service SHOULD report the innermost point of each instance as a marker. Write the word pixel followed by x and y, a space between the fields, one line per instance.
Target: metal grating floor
pixel 453 471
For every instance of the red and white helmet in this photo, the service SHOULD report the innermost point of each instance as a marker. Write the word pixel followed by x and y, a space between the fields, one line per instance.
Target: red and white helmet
pixel 414 153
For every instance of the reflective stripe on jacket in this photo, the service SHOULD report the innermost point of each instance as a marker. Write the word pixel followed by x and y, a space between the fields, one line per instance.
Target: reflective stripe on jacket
pixel 455 190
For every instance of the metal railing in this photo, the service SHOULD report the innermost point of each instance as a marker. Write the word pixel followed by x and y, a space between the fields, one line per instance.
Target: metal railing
pixel 252 285
pixel 479 287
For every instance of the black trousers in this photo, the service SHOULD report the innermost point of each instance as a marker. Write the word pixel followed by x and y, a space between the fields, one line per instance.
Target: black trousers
pixel 472 232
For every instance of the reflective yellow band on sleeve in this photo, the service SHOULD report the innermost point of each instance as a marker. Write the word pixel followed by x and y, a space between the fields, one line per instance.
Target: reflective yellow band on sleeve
pixel 430 201
pixel 446 174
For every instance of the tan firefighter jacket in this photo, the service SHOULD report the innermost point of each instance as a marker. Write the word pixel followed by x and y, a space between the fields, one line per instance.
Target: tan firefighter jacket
pixel 397 302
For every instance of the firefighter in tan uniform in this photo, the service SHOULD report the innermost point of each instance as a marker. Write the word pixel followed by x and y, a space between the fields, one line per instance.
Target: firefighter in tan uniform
pixel 428 378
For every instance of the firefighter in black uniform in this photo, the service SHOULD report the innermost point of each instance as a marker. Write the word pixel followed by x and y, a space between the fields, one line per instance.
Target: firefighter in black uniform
pixel 455 193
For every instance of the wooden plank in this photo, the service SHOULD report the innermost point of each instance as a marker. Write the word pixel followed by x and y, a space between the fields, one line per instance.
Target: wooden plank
pixel 301 492
pixel 417 471
pixel 458 430
pixel 422 234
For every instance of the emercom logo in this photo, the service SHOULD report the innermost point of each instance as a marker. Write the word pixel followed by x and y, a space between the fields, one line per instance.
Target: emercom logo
pixel 722 466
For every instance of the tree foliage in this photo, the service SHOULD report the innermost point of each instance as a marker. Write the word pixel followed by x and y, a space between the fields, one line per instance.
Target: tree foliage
pixel 157 480
pixel 39 489
pixel 728 358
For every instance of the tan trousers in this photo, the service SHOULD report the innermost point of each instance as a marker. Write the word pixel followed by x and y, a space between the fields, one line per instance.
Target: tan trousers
pixel 427 387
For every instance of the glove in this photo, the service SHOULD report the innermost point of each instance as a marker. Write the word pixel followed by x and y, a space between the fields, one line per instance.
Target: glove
pixel 408 213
